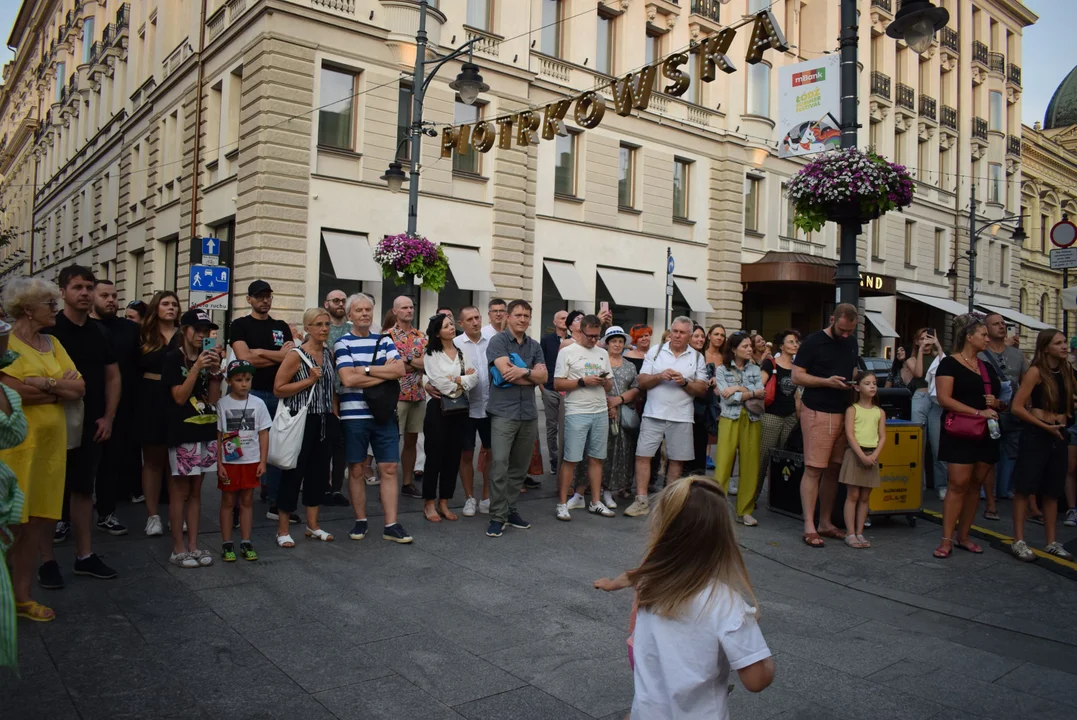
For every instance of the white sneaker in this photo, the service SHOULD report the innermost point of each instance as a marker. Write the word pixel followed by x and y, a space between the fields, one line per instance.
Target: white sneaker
pixel 1057 550
pixel 734 484
pixel 942 493
pixel 1071 518
pixel 469 507
pixel 748 520
pixel 576 502
pixel 373 480
pixel 154 528
pixel 600 509
pixel 562 513
pixel 484 506
pixel 202 557
pixel 1022 552
pixel 607 500
pixel 639 508
pixel 183 560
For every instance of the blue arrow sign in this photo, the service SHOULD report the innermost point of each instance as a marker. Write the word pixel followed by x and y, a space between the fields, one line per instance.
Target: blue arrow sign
pixel 669 265
pixel 211 246
pixel 210 278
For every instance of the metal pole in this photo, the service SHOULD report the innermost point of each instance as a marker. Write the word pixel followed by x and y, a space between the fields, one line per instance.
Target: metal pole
pixel 669 298
pixel 972 249
pixel 847 279
pixel 1065 313
pixel 416 129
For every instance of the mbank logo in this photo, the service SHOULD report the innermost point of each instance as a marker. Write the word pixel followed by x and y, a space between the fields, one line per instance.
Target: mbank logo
pixel 809 76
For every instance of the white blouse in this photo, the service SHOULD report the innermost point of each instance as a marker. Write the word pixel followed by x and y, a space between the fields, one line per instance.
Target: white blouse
pixel 440 370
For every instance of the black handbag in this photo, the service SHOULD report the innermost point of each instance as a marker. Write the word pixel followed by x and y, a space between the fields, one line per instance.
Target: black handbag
pixel 456 405
pixel 382 398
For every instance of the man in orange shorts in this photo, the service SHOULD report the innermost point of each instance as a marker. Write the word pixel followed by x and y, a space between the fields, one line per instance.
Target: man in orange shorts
pixel 824 367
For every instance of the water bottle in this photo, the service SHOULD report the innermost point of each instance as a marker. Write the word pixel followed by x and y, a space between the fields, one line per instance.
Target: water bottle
pixel 993 429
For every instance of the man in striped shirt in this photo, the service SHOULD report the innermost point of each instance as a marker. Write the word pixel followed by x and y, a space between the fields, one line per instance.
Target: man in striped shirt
pixel 363 361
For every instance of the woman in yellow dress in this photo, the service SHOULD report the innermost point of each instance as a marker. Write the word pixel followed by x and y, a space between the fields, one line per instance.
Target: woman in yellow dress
pixel 44 377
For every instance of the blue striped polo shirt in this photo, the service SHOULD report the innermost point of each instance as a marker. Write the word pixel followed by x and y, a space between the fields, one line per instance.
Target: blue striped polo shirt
pixel 352 351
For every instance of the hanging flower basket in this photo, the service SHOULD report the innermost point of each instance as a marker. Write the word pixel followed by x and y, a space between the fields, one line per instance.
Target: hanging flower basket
pixel 406 255
pixel 848 186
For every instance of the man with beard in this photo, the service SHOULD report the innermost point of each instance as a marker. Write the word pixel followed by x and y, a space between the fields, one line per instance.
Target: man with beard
pixel 339 326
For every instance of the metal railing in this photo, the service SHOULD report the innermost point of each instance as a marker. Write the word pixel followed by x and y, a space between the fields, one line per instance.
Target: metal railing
pixel 108 35
pixel 927 107
pixel 95 52
pixel 123 15
pixel 706 8
pixel 906 97
pixel 880 84
pixel 1013 145
pixel 979 52
pixel 949 39
pixel 886 5
pixel 1014 74
pixel 948 117
pixel 344 6
pixel 979 128
pixel 996 62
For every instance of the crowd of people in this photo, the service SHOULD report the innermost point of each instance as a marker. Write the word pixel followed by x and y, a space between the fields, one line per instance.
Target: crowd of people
pixel 148 404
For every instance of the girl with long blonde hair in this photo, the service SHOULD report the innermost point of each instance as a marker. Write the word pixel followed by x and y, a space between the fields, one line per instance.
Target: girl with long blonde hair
pixel 696 618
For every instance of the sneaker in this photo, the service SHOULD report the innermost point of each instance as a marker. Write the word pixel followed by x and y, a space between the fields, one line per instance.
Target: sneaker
pixel 607 500
pixel 1038 519
pixel 941 493
pixel 247 551
pixel 1022 552
pixel 562 513
pixel 183 560
pixel 154 527
pixel 531 483
pixel 576 502
pixel 734 485
pixel 373 480
pixel 135 499
pixel 1057 550
pixel 338 500
pixel 272 514
pixel 553 468
pixel 203 558
pixel 484 507
pixel 62 533
pixel 93 567
pixel 411 490
pixel 49 577
pixel 396 533
pixel 228 552
pixel 469 507
pixel 358 530
pixel 111 525
pixel 748 520
pixel 518 522
pixel 495 529
pixel 1071 518
pixel 638 508
pixel 600 509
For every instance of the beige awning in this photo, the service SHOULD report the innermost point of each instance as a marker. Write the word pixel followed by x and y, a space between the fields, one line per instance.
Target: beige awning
pixel 694 294
pixel 568 281
pixel 940 303
pixel 352 257
pixel 885 328
pixel 632 288
pixel 469 270
pixel 1014 316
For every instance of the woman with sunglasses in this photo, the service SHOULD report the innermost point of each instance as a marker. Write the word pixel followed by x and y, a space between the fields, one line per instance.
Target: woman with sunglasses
pixel 135 311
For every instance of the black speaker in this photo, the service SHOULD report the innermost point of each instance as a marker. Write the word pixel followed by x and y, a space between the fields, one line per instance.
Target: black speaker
pixel 786 470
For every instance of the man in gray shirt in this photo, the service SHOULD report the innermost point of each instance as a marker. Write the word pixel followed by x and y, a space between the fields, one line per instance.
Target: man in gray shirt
pixel 1010 364
pixel 513 414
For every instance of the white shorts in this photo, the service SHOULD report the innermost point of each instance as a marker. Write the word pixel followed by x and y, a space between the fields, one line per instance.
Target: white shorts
pixel 193 459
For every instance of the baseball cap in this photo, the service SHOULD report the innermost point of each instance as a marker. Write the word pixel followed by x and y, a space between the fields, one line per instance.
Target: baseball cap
pixel 239 366
pixel 258 287
pixel 197 317
pixel 615 331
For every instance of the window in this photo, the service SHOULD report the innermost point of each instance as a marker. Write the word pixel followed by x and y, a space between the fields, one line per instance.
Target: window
pixel 551 28
pixel 922 162
pixel 790 214
pixel 171 252
pixel 336 119
pixel 478 14
pixel 403 122
pixel 755 6
pixel 626 177
pixel 1043 307
pixel 564 174
pixel 87 39
pixel 759 90
pixel 751 203
pixel 653 48
pixel 994 185
pixel 1044 223
pixel 680 189
pixel 910 243
pixel 466 115
pixel 59 81
pixel 695 86
pixel 994 121
pixel 876 240
pixel 940 248
pixel 1004 266
pixel 604 49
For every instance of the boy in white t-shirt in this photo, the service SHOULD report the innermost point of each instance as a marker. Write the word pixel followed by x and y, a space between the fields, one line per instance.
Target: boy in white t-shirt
pixel 243 424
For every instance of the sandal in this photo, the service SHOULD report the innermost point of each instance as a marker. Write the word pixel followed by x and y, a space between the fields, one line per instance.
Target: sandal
pixel 852 542
pixel 864 542
pixel 1038 519
pixel 969 546
pixel 833 533
pixel 34 611
pixel 992 515
pixel 448 514
pixel 942 553
pixel 434 517
pixel 319 534
pixel 285 541
pixel 813 540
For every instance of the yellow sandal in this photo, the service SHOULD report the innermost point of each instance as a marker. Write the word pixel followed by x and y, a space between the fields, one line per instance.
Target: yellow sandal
pixel 35 611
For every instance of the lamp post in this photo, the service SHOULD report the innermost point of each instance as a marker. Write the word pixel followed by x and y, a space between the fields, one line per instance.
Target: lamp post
pixel 969 256
pixel 847 278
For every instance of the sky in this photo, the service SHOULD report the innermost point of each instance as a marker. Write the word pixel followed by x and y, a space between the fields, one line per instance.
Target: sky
pixel 1048 54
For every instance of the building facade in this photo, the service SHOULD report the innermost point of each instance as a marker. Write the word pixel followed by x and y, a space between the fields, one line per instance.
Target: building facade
pixel 131 128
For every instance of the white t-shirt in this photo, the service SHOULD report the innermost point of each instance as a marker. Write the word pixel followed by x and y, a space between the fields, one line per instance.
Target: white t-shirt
pixel 682 666
pixel 930 375
pixel 575 362
pixel 240 422
pixel 668 400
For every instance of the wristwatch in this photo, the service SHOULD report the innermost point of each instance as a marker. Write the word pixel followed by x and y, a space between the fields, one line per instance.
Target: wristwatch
pixel 528 374
pixel 50 384
pixel 581 383
pixel 367 368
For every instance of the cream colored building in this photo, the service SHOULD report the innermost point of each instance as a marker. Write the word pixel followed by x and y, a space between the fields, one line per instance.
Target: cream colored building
pixel 299 113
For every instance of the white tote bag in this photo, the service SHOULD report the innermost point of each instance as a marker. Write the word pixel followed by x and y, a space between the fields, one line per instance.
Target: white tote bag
pixel 286 434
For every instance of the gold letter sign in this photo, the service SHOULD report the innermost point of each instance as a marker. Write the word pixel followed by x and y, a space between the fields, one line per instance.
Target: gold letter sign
pixel 590 107
pixel 713 52
pixel 765 35
pixel 671 70
pixel 633 91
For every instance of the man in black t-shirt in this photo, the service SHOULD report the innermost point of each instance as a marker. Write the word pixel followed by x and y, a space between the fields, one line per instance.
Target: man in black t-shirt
pixel 89 349
pixel 263 342
pixel 824 366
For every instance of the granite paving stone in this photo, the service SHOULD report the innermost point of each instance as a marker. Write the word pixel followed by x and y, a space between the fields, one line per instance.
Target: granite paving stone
pixel 387 698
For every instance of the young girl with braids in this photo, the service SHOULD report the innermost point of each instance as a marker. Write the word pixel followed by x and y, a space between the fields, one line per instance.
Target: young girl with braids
pixel 696 618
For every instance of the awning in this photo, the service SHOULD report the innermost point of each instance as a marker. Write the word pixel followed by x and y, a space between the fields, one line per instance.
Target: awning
pixel 468 269
pixel 885 329
pixel 568 281
pixel 633 289
pixel 693 294
pixel 1017 317
pixel 940 303
pixel 351 256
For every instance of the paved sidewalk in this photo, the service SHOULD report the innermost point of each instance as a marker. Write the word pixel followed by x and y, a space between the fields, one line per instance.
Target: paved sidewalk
pixel 462 626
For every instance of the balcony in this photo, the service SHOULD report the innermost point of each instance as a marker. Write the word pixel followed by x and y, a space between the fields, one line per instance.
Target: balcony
pixel 1013 145
pixel 176 58
pixel 880 84
pixel 123 16
pixel 928 107
pixel 708 9
pixel 979 129
pixel 979 53
pixel 950 40
pixel 948 117
pixel 886 5
pixel 996 63
pixel 1013 75
pixel 906 97
pixel 486 43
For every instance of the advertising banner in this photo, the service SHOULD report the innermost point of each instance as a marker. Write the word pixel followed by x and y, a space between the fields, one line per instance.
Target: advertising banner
pixel 809 105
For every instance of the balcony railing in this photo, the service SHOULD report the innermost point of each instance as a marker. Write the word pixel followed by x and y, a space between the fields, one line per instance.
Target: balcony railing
pixel 108 35
pixel 880 84
pixel 706 8
pixel 1013 145
pixel 886 5
pixel 95 52
pixel 979 128
pixel 979 52
pixel 906 97
pixel 996 62
pixel 950 39
pixel 927 107
pixel 948 117
pixel 1014 74
pixel 123 15
pixel 73 82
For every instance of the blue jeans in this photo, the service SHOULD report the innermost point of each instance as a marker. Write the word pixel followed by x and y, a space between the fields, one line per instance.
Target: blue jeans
pixel 271 479
pixel 1004 473
pixel 927 412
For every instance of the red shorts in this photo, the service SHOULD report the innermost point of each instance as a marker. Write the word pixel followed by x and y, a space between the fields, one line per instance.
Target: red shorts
pixel 240 477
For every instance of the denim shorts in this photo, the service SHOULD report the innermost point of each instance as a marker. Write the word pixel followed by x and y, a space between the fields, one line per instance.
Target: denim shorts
pixel 362 437
pixel 585 434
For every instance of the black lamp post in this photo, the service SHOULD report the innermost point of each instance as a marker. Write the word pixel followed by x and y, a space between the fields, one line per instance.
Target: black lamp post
pixel 1018 236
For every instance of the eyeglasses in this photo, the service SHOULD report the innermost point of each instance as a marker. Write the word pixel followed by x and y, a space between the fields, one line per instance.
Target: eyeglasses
pixel 592 337
pixel 53 305
pixel 320 324
pixel 336 301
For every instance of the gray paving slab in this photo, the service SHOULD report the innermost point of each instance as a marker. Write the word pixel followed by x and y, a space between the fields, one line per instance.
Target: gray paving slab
pixel 387 698
pixel 1041 681
pixel 526 703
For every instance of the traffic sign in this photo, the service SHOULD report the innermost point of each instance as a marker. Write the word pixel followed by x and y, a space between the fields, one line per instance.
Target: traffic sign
pixel 669 285
pixel 210 279
pixel 1064 258
pixel 669 265
pixel 211 246
pixel 1063 234
pixel 209 301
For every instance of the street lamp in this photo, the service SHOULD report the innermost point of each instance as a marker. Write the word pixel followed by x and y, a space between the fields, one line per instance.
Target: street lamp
pixel 394 177
pixel 916 23
pixel 1018 236
pixel 468 83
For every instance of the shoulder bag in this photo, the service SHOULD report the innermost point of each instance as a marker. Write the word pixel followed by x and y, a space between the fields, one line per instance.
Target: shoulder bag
pixel 286 433
pixel 970 427
pixel 382 398
pixel 460 404
pixel 772 385
pixel 627 417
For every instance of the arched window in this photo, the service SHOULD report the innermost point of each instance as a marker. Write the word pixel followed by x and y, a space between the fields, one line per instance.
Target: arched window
pixel 1043 307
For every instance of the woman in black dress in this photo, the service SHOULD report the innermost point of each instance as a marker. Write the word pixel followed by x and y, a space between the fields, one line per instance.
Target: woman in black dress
pixel 968 390
pixel 158 331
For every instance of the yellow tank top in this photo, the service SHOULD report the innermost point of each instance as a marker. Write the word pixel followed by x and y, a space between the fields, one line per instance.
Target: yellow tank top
pixel 866 426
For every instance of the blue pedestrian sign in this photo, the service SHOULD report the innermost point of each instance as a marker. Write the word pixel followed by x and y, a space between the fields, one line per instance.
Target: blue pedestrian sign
pixel 211 246
pixel 669 265
pixel 210 279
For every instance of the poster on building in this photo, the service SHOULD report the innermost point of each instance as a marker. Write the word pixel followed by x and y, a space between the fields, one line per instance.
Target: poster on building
pixel 809 105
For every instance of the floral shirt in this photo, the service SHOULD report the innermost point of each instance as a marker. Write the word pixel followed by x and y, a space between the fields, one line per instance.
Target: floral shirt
pixel 410 344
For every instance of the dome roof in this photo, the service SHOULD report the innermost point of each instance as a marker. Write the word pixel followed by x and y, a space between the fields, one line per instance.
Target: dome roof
pixel 1062 110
